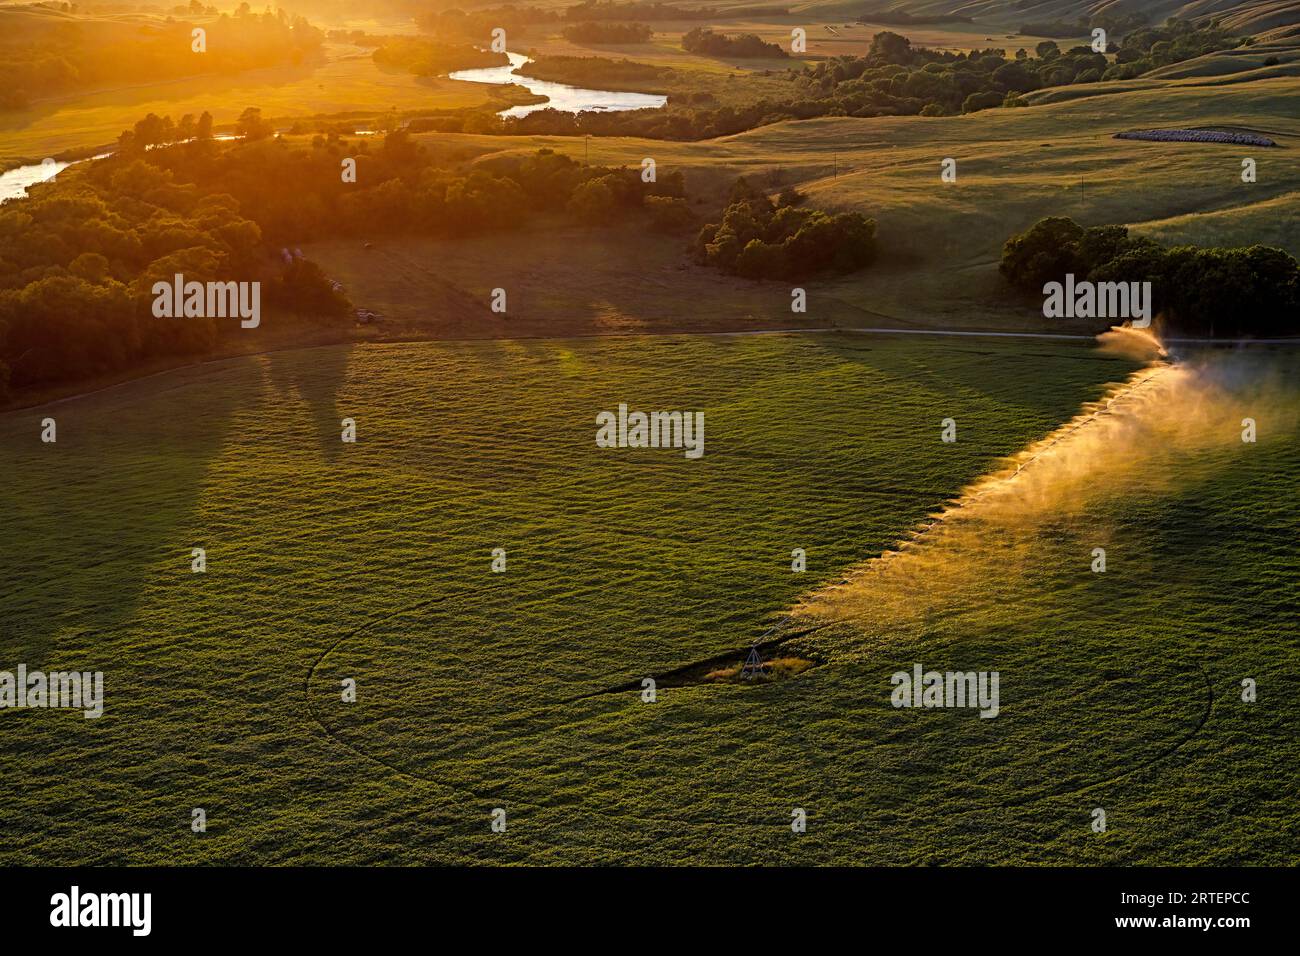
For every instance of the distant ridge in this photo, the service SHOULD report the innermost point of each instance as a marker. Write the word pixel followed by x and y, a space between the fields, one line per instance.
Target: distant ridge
pixel 1267 19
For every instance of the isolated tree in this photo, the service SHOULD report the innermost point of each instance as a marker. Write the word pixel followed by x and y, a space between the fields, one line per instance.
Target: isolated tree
pixel 889 47
pixel 251 126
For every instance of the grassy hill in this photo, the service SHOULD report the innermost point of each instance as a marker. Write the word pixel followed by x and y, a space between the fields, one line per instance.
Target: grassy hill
pixel 343 80
pixel 940 243
pixel 1259 17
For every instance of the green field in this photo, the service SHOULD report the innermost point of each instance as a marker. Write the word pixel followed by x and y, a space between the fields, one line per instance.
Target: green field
pixel 479 690
pixel 330 562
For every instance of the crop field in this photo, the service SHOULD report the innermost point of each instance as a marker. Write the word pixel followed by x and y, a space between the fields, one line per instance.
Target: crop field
pixel 318 550
pixel 476 690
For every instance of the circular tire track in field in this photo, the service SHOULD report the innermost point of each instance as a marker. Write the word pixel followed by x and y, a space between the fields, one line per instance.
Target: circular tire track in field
pixel 682 676
pixel 771 639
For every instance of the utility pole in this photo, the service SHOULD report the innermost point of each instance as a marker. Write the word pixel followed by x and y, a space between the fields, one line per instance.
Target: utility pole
pixel 586 150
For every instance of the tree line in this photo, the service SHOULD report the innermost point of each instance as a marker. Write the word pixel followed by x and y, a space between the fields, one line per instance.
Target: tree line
pixel 79 257
pixel 430 58
pixel 654 10
pixel 1215 292
pixel 594 32
pixel 705 42
pixel 595 71
pixel 896 78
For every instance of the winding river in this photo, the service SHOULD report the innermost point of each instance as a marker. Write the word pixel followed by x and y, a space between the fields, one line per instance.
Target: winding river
pixel 569 99
pixel 14 182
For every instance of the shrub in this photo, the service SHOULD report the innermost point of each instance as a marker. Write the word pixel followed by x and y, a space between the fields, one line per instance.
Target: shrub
pixel 669 213
pixel 759 240
pixel 982 101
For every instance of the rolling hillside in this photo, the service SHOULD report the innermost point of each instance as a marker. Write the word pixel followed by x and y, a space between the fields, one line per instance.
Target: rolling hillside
pixel 940 243
pixel 1267 18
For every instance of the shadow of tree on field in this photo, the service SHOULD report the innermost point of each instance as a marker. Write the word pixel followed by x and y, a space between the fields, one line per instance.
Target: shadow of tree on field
pixel 317 383
pixel 95 518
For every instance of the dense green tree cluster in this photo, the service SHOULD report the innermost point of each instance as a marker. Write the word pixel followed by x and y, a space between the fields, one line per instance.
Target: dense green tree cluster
pixel 1147 48
pixel 669 213
pixel 705 42
pixel 400 187
pixel 894 78
pixel 1112 22
pixel 416 195
pixel 760 239
pixel 1252 291
pixel 608 32
pixel 597 72
pixel 79 257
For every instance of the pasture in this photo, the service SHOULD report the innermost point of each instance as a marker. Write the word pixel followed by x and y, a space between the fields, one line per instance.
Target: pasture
pixel 371 564
pixel 939 242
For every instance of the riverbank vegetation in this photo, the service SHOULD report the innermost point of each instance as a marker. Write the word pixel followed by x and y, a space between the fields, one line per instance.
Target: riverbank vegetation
pixel 597 72
pixel 894 78
pixel 431 58
pixel 79 257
